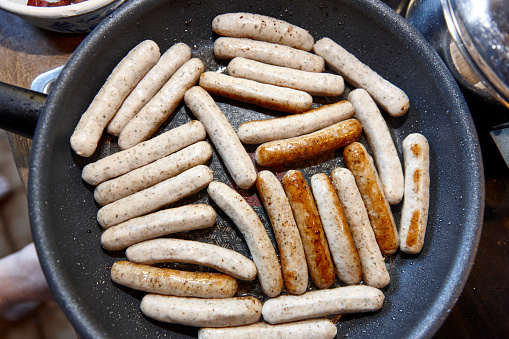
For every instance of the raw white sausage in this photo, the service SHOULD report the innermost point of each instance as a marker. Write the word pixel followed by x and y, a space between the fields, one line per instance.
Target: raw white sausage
pixel 173 282
pixel 168 64
pixel 153 173
pixel 221 133
pixel 155 197
pixel 319 84
pixel 202 312
pixel 124 77
pixel 291 251
pixel 314 304
pixel 372 262
pixel 192 252
pixel 253 92
pixel 257 239
pixel 379 138
pixel 122 162
pixel 262 27
pixel 335 225
pixel 414 213
pixel 269 53
pixel 161 106
pixel 260 131
pixel 316 328
pixel 168 221
pixel 391 98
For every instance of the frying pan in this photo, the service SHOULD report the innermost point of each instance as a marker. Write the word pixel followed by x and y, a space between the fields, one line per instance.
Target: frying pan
pixel 423 287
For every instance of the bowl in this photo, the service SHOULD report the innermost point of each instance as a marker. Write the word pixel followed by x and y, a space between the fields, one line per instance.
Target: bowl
pixel 77 18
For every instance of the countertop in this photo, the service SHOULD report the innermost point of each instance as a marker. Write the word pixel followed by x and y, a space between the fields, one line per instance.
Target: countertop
pixel 481 311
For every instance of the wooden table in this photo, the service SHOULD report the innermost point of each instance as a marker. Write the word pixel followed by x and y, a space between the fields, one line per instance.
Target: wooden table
pixel 482 309
pixel 25 52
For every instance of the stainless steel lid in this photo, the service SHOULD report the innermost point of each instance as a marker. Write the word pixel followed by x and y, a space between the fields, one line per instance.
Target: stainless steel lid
pixel 481 31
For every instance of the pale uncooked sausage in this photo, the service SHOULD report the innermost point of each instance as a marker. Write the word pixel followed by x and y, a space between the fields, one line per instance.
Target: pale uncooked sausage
pixel 151 83
pixel 274 54
pixel 318 84
pixel 387 95
pixel 155 197
pixel 172 220
pixel 124 77
pixel 372 262
pixel 161 106
pixel 202 312
pixel 122 162
pixel 262 27
pixel 314 304
pixel 237 161
pixel 257 239
pixel 192 252
pixel 260 131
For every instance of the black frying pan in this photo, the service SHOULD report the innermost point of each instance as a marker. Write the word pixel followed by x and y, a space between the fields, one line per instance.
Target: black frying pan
pixel 423 287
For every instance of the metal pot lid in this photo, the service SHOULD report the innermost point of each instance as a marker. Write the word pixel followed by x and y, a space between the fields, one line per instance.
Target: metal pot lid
pixel 481 30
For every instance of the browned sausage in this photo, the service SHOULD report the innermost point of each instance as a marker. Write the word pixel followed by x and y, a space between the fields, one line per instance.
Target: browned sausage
pixel 291 251
pixel 173 282
pixel 379 212
pixel 310 227
pixel 307 146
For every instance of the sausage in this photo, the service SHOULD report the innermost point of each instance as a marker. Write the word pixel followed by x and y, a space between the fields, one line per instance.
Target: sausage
pixel 257 239
pixel 360 163
pixel 192 252
pixel 316 328
pixel 387 95
pixel 269 53
pixel 161 106
pixel 253 92
pixel 314 304
pixel 153 173
pixel 304 210
pixel 168 64
pixel 318 84
pixel 260 131
pixel 341 245
pixel 124 77
pixel 202 312
pixel 291 251
pixel 155 197
pixel 168 221
pixel 173 282
pixel 307 146
pixel 379 138
pixel 122 162
pixel 414 213
pixel 221 133
pixel 372 262
pixel 261 27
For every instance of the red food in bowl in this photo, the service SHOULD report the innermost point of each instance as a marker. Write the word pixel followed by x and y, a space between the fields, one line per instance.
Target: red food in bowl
pixel 43 3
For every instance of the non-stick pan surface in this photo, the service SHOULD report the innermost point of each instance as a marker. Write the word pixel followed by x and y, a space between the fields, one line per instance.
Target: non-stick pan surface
pixel 63 213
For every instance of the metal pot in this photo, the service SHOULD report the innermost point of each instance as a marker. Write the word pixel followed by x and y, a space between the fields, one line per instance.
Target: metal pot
pixel 472 37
